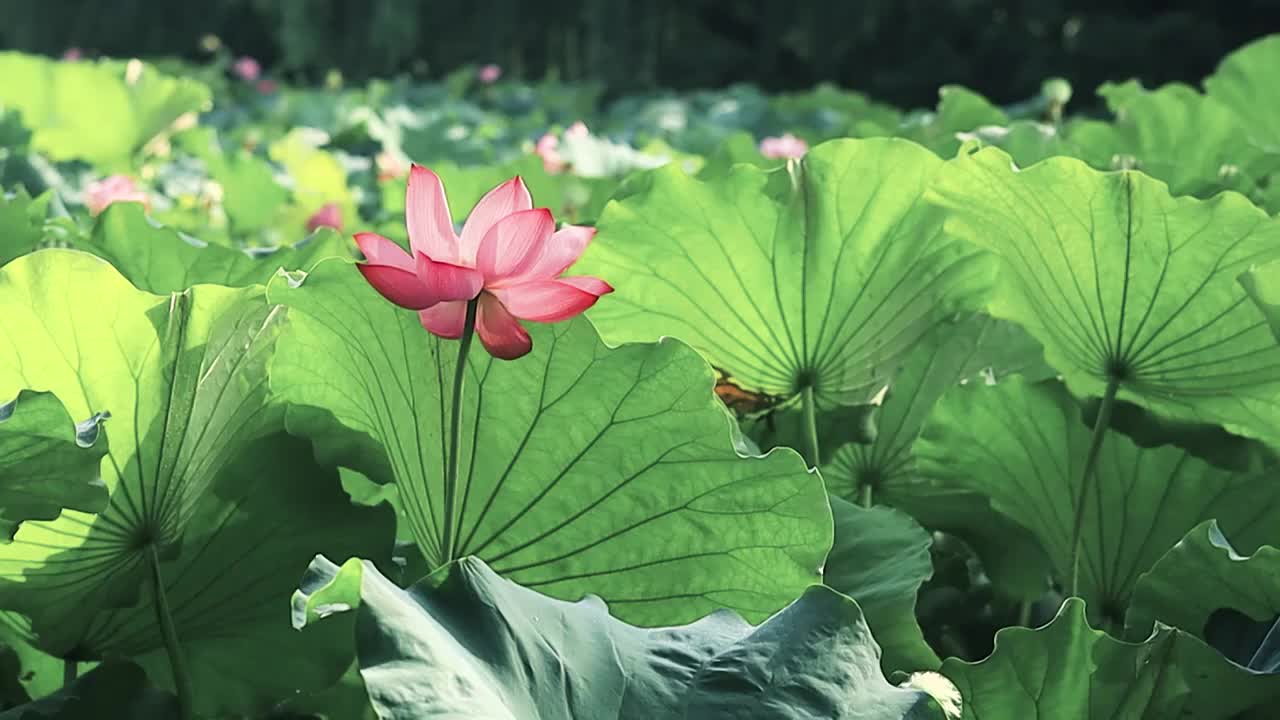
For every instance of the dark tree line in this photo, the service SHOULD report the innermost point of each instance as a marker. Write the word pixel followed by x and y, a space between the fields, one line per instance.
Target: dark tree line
pixel 897 50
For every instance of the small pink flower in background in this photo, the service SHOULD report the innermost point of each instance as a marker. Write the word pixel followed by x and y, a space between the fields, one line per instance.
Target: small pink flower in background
pixel 267 86
pixel 787 146
pixel 328 216
pixel 72 54
pixel 117 188
pixel 546 148
pixel 247 69
pixel 489 74
pixel 578 130
pixel 509 256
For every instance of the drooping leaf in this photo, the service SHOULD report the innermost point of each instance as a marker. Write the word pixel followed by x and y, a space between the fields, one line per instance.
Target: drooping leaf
pixel 158 259
pixel 99 112
pixel 583 469
pixel 1123 283
pixel 118 687
pixel 880 558
pixel 1263 285
pixel 467 643
pixel 1022 447
pixel 47 461
pixel 1067 669
pixel 824 273
pixel 1245 82
pixel 1202 576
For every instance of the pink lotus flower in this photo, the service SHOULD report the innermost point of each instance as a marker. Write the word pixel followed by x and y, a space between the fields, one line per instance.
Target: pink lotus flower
pixel 117 188
pixel 328 216
pixel 546 148
pixel 787 146
pixel 577 131
pixel 247 69
pixel 509 256
pixel 489 74
pixel 72 54
pixel 389 166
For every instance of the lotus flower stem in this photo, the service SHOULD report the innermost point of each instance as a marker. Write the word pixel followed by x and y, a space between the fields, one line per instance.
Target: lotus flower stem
pixel 70 669
pixel 1086 480
pixel 177 662
pixel 865 495
pixel 455 420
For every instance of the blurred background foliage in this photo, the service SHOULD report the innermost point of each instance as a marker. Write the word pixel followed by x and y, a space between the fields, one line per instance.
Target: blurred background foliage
pixel 897 51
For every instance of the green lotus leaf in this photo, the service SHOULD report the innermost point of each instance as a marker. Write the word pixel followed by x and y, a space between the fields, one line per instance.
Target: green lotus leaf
pixel 1021 446
pixel 120 686
pixel 1125 285
pixel 880 558
pixel 1263 285
pixel 1192 142
pixel 161 260
pixel 465 642
pixel 1066 669
pixel 21 223
pixel 822 274
pixel 48 461
pixel 1245 82
pixel 583 468
pixel 99 112
pixel 1203 575
pixel 189 474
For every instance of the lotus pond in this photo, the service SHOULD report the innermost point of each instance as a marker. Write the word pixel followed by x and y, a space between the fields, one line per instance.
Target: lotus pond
pixel 485 399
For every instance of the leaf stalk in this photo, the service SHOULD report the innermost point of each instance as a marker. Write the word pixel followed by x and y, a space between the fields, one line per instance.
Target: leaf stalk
pixel 1086 481
pixel 177 662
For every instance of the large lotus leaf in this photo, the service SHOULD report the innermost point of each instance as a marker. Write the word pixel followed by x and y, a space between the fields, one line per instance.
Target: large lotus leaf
pixel 1123 283
pixel 583 468
pixel 1245 82
pixel 1202 576
pixel 184 378
pixel 1067 669
pixel 1192 142
pixel 47 461
pixel 241 558
pixel 99 112
pixel 465 642
pixel 21 224
pixel 821 274
pixel 158 259
pixel 1022 447
pixel 975 348
pixel 120 686
pixel 880 557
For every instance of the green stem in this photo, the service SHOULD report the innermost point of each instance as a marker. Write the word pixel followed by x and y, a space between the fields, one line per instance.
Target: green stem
pixel 1086 480
pixel 70 669
pixel 865 495
pixel 1024 613
pixel 455 421
pixel 177 663
pixel 810 424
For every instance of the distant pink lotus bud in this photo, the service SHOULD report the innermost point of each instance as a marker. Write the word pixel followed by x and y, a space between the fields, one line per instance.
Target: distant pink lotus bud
pixel 117 188
pixel 578 130
pixel 247 69
pixel 489 74
pixel 267 86
pixel 787 146
pixel 509 257
pixel 389 166
pixel 546 148
pixel 72 54
pixel 329 216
